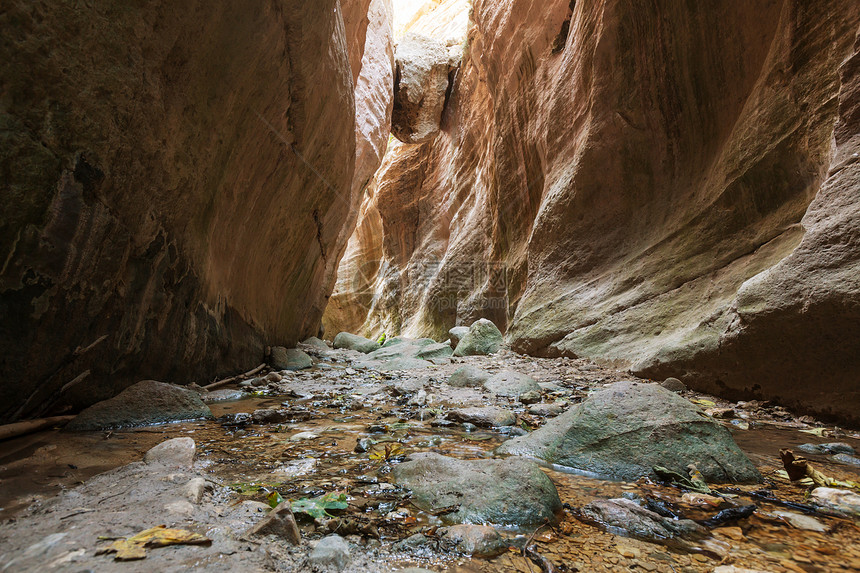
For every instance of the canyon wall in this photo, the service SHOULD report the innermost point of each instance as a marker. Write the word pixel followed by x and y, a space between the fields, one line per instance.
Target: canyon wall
pixel 179 182
pixel 670 187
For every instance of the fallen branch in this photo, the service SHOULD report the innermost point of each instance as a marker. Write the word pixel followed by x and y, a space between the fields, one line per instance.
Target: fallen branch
pixel 226 381
pixel 29 426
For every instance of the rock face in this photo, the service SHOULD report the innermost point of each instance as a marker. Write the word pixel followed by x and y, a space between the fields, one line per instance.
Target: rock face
pixel 510 492
pixel 144 403
pixel 650 184
pixel 156 161
pixel 625 430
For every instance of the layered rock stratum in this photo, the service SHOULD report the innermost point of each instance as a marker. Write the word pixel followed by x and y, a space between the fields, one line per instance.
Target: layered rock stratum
pixel 669 187
pixel 179 183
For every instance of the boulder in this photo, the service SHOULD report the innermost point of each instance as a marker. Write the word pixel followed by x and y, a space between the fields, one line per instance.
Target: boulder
pixel 289 359
pixel 510 383
pixel 420 87
pixel 511 492
pixel 316 343
pixel 176 452
pixel 626 429
pixel 147 402
pixel 483 338
pixel 456 333
pixel 355 342
pixel 435 351
pixel 468 377
pixel 488 417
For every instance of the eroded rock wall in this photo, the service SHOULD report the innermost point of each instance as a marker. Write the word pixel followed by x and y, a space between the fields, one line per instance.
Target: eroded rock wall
pixel 177 179
pixel 642 182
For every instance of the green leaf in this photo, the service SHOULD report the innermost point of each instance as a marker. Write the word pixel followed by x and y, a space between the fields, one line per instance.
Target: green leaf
pixel 274 499
pixel 318 507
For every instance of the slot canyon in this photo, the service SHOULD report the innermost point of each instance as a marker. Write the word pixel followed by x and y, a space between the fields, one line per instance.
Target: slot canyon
pixel 430 285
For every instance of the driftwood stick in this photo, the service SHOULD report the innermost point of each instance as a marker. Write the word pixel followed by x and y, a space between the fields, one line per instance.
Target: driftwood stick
pixel 226 381
pixel 29 426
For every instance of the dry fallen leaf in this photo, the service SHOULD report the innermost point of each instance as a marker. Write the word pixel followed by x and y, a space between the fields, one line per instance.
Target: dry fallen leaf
pixel 135 547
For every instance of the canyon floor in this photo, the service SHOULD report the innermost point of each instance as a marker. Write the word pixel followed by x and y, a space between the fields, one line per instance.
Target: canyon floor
pixel 340 428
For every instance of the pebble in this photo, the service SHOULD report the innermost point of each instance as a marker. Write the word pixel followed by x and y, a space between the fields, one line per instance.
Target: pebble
pixel 330 551
pixel 674 385
pixel 303 436
pixel 194 489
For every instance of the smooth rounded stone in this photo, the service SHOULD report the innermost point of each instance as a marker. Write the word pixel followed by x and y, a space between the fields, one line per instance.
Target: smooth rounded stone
pixel 269 416
pixel 673 385
pixel 546 410
pixel 289 359
pixel 838 500
pixel 636 521
pixel 176 452
pixel 331 551
pixel 301 436
pixel 145 403
pixel 468 377
pixel 627 428
pixel 456 334
pixel 488 417
pixel 273 377
pixel 316 343
pixel 354 342
pixel 509 492
pixel 483 338
pixel 474 540
pixel 846 459
pixel 435 351
pixel 510 383
pixel 194 490
pixel 253 382
pixel 800 521
pixel 530 397
pixel 225 395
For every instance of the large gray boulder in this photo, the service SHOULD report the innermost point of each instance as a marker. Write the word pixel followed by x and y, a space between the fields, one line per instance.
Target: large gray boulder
pixel 626 429
pixel 512 492
pixel 354 342
pixel 147 402
pixel 483 338
pixel 513 384
pixel 289 359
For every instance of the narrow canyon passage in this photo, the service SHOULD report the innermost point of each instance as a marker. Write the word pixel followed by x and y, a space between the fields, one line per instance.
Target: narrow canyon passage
pixel 430 285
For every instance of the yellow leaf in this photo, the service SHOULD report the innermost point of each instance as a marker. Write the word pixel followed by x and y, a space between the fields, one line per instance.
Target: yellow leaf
pixel 815 432
pixel 703 402
pixel 160 536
